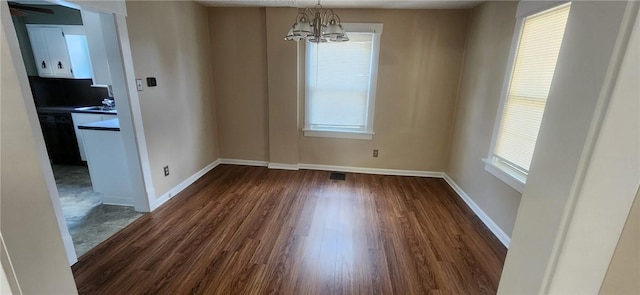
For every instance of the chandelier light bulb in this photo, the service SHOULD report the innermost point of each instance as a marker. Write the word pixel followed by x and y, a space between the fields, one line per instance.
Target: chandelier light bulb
pixel 325 26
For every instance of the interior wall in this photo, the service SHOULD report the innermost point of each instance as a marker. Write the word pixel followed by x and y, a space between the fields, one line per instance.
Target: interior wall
pixel 5 287
pixel 624 270
pixel 488 44
pixel 603 202
pixel 562 152
pixel 282 75
pixel 239 58
pixel 421 53
pixel 34 244
pixel 420 59
pixel 170 41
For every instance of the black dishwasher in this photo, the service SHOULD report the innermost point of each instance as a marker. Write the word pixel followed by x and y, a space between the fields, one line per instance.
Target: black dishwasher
pixel 60 138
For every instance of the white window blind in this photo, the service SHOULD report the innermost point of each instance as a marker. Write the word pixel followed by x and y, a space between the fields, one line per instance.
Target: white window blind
pixel 338 84
pixel 530 81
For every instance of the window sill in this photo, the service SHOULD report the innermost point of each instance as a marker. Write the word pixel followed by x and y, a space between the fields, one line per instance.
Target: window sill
pixel 505 174
pixel 339 134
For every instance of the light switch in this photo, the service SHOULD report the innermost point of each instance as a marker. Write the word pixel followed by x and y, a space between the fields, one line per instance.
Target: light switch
pixel 151 82
pixel 139 84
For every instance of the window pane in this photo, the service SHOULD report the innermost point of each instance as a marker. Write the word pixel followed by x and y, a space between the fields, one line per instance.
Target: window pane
pixel 338 76
pixel 520 125
pixel 533 71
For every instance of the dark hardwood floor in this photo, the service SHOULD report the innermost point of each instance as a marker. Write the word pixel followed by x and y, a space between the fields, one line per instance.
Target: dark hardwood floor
pixel 253 230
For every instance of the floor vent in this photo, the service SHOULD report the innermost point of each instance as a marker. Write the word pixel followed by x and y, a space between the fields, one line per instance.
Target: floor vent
pixel 338 176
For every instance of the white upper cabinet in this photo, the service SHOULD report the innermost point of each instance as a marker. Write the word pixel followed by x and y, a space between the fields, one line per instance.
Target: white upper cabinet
pixel 60 51
pixel 40 52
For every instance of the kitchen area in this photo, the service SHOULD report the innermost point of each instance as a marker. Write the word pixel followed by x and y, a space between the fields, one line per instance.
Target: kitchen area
pixel 65 59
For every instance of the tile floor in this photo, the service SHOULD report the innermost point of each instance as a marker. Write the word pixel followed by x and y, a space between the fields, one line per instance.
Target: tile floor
pixel 89 221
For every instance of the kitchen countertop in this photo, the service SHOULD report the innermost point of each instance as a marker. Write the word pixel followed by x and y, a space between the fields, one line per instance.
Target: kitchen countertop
pixel 55 109
pixel 107 125
pixel 109 112
pixel 66 110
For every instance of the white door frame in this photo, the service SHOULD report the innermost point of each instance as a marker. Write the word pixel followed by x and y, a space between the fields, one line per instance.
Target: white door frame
pixel 129 112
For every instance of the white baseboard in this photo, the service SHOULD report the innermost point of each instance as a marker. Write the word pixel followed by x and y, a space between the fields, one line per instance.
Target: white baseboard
pixel 72 257
pixel 282 166
pixel 493 227
pixel 244 162
pixel 118 201
pixel 372 170
pixel 187 182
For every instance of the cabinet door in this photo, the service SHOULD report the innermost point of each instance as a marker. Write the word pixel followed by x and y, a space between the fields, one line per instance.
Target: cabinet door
pixel 82 118
pixel 78 119
pixel 79 56
pixel 58 53
pixel 96 26
pixel 40 54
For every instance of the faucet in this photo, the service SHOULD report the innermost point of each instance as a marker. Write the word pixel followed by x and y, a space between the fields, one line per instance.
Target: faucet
pixel 108 103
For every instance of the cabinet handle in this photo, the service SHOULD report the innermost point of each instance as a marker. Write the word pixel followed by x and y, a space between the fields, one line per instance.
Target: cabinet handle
pixel 44 65
pixel 59 65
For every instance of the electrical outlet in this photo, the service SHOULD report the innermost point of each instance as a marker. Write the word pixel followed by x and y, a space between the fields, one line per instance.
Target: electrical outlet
pixel 375 153
pixel 166 170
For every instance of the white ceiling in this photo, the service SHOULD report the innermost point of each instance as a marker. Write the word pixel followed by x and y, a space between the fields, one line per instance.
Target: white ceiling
pixel 397 4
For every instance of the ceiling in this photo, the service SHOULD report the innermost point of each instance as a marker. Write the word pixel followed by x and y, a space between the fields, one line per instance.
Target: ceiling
pixel 394 4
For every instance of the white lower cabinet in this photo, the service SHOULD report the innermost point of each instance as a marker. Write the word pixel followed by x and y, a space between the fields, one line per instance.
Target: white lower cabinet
pixel 108 168
pixel 83 118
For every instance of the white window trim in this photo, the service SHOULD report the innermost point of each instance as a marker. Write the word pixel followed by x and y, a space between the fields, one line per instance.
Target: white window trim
pixel 367 134
pixel 506 174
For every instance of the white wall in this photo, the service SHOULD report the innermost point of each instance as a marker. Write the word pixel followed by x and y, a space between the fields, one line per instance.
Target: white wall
pixel 609 187
pixel 581 84
pixel 5 289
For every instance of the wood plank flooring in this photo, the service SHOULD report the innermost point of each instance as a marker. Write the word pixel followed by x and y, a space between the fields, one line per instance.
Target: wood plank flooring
pixel 253 230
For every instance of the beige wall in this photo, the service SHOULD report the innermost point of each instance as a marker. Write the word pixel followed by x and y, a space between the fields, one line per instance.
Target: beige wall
pixel 421 55
pixel 624 270
pixel 420 60
pixel 170 41
pixel 239 57
pixel 283 90
pixel 490 33
pixel 27 220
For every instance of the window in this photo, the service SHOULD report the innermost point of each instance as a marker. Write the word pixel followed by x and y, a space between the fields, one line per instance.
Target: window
pixel 341 84
pixel 527 87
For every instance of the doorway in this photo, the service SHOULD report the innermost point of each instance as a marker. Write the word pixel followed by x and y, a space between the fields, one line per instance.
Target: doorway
pixel 96 194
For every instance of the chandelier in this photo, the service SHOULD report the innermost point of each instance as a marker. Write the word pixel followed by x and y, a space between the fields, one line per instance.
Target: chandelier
pixel 324 27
